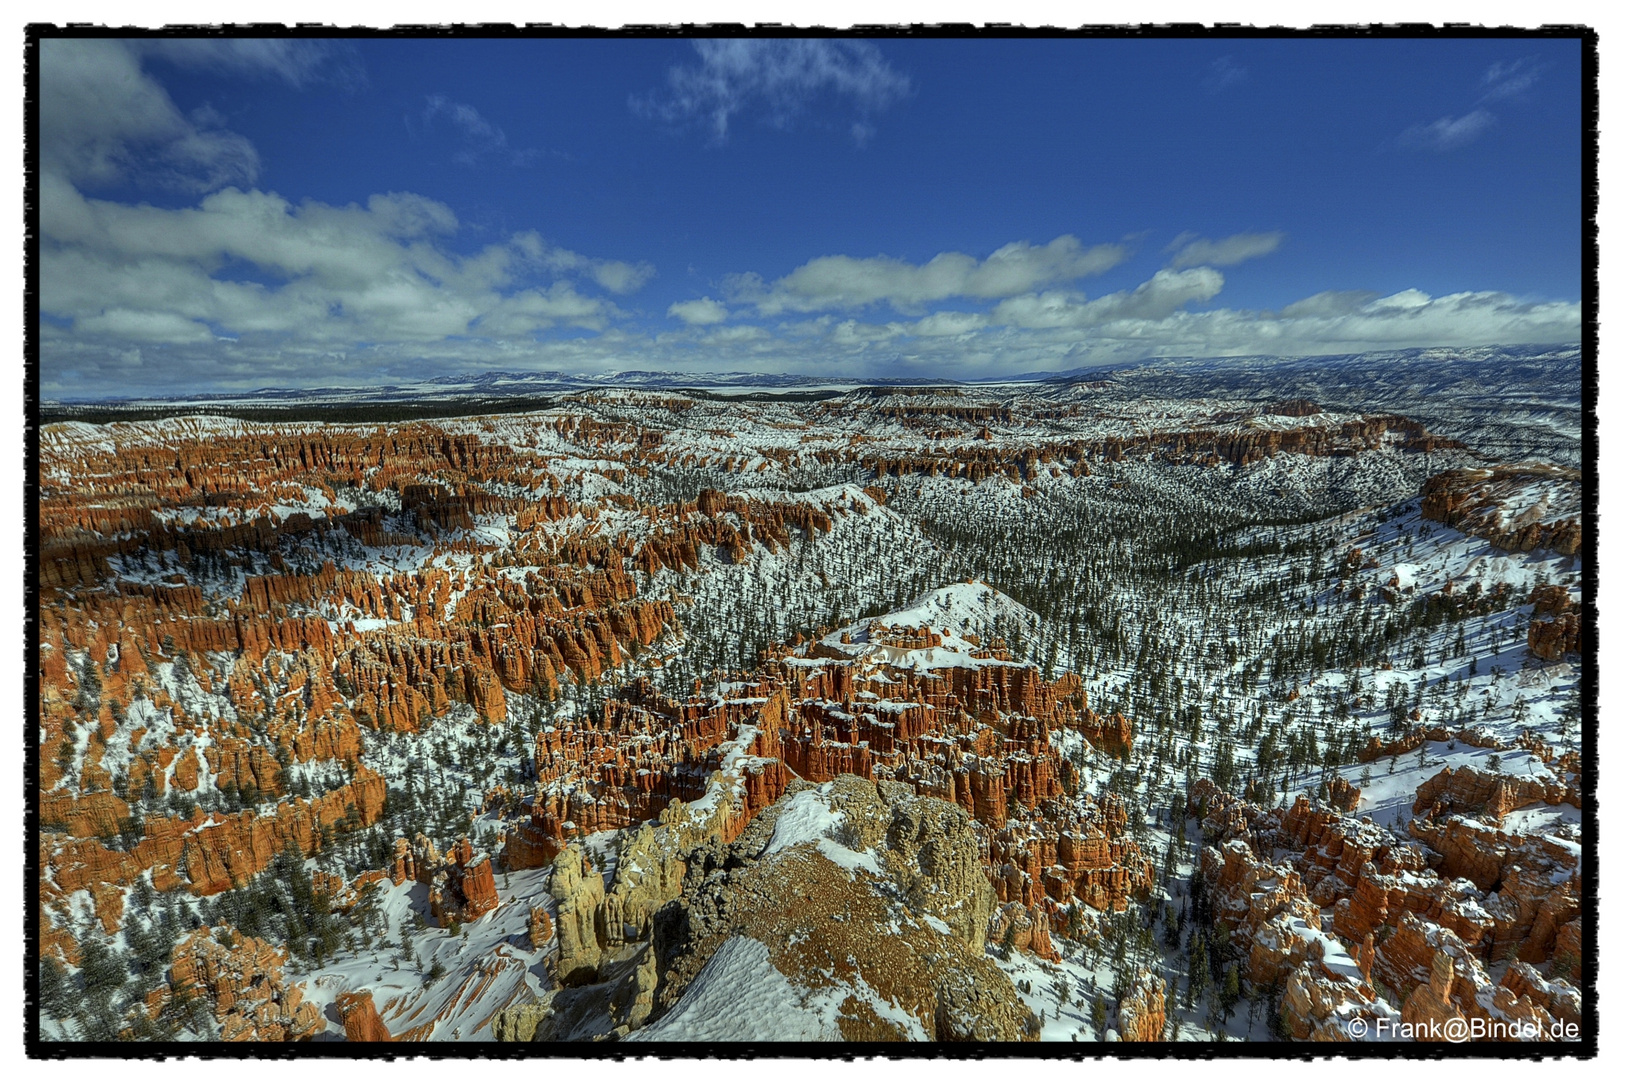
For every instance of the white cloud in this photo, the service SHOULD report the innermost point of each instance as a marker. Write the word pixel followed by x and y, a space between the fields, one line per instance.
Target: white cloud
pixel 703 312
pixel 145 326
pixel 246 285
pixel 1502 82
pixel 620 277
pixel 337 274
pixel 611 275
pixel 1123 326
pixel 1450 132
pixel 777 78
pixel 950 324
pixel 482 140
pixel 1331 303
pixel 1228 251
pixel 1415 318
pixel 519 315
pixel 103 120
pixel 79 365
pixel 852 332
pixel 299 62
pixel 725 335
pixel 841 281
pixel 481 132
pixel 1156 298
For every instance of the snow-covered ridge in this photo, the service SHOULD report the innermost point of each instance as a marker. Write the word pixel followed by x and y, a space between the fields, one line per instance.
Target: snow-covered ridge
pixel 948 627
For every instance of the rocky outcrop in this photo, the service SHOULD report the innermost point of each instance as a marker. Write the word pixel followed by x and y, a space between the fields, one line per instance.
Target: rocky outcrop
pixel 460 882
pixel 1023 928
pixel 1141 1011
pixel 540 928
pixel 1320 1002
pixel 832 919
pixel 1553 639
pixel 1465 888
pixel 1343 794
pixel 1431 1005
pixel 1556 630
pixel 909 861
pixel 211 853
pixel 1550 600
pixel 579 893
pixel 519 1023
pixel 361 1017
pixel 1522 507
pixel 1555 996
pixel 1568 951
pixel 1486 855
pixel 1262 904
pixel 1468 790
pixel 241 978
pixel 979 737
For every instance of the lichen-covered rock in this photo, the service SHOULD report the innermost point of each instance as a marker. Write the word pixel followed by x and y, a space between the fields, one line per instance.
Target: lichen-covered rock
pixel 519 1023
pixel 866 897
pixel 578 891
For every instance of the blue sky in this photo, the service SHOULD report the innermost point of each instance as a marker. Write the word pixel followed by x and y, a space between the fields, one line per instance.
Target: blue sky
pixel 225 215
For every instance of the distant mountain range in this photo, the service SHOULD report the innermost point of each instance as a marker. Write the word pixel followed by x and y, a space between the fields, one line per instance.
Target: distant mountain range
pixel 498 385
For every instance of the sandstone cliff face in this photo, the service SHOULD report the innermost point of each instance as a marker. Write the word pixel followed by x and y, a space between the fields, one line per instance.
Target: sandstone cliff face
pixel 460 882
pixel 1442 980
pixel 1467 889
pixel 1427 940
pixel 1431 1004
pixel 241 978
pixel 1022 928
pixel 1515 507
pixel 579 892
pixel 1468 790
pixel 1141 1012
pixel 199 640
pixel 1044 849
pixel 1552 639
pixel 1319 1003
pixel 361 1016
pixel 211 853
pixel 541 928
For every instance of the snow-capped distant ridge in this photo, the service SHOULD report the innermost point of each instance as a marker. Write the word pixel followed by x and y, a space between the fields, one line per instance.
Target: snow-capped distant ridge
pixel 1564 353
pixel 496 383
pixel 500 385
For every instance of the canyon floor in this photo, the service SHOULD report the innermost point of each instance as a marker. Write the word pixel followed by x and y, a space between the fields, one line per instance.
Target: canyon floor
pixel 1197 702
